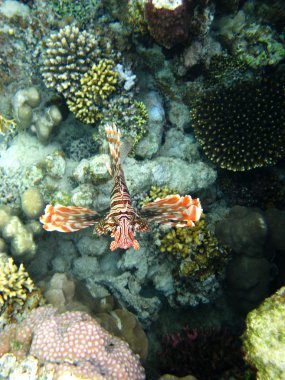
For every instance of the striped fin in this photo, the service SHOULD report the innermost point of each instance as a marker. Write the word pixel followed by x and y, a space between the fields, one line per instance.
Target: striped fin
pixel 114 139
pixel 174 210
pixel 68 219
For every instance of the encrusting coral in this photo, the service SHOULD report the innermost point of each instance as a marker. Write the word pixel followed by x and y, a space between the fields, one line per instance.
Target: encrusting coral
pixel 197 250
pixel 264 337
pixel 73 342
pixel 242 127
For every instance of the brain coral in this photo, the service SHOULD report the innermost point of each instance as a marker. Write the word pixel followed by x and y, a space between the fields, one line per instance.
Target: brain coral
pixel 74 342
pixel 242 127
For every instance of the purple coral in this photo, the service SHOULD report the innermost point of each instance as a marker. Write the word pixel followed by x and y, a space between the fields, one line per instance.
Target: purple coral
pixel 76 342
pixel 168 26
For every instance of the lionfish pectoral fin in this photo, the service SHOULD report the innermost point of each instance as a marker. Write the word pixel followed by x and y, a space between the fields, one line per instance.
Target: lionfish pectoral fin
pixel 174 210
pixel 68 218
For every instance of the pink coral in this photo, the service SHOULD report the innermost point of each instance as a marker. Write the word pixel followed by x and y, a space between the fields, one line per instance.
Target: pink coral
pixel 76 342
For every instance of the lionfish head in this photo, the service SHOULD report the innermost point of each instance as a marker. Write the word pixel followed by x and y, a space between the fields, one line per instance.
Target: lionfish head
pixel 124 236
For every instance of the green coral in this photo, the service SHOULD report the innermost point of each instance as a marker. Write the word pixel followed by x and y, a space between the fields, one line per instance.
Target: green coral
pixel 82 10
pixel 264 338
pixel 95 87
pixel 136 18
pixel 197 250
pixel 258 46
pixel 130 116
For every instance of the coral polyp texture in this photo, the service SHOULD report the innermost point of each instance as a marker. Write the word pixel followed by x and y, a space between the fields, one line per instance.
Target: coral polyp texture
pixel 96 85
pixel 168 22
pixel 264 337
pixel 71 342
pixel 197 251
pixel 242 127
pixel 6 125
pixel 69 54
pixel 15 283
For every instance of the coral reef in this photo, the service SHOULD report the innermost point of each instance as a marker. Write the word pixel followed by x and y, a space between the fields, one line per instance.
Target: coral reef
pixel 245 231
pixel 124 325
pixel 83 11
pixel 167 23
pixel 72 341
pixel 15 283
pixel 238 126
pixel 198 261
pixel 32 203
pixel 254 43
pixel 31 112
pixel 6 125
pixel 174 22
pixel 70 53
pixel 205 353
pixel 18 294
pixel 20 236
pixel 96 85
pixel 263 339
pixel 263 188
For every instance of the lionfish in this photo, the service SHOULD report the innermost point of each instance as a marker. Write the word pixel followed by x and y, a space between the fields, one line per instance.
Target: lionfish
pixel 123 220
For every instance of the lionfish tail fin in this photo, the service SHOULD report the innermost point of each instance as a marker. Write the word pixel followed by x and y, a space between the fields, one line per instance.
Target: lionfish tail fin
pixel 68 219
pixel 114 139
pixel 174 210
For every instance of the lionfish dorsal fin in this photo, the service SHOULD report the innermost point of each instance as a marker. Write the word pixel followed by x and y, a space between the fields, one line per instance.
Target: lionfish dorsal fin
pixel 113 136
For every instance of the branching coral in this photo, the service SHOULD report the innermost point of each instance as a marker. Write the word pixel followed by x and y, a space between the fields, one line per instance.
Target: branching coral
pixel 95 86
pixel 70 53
pixel 15 283
pixel 6 125
pixel 242 127
pixel 18 294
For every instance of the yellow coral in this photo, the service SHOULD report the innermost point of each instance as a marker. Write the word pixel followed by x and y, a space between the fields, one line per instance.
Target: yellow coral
pixel 15 282
pixel 96 85
pixel 136 16
pixel 197 250
pixel 6 125
pixel 157 192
